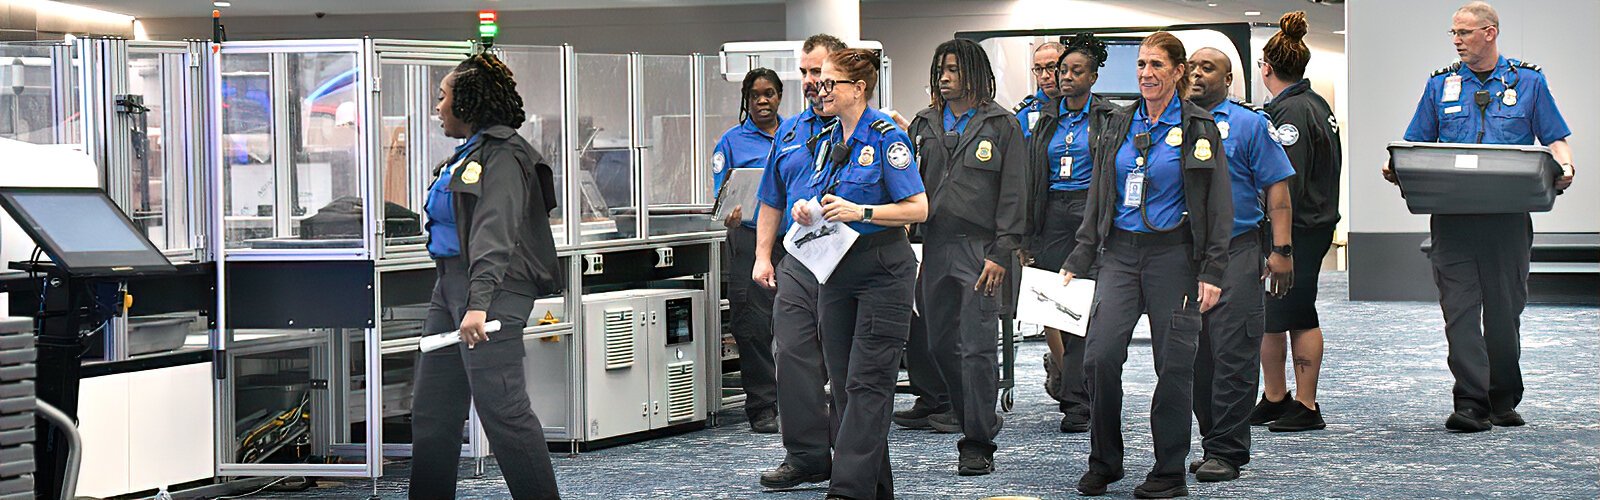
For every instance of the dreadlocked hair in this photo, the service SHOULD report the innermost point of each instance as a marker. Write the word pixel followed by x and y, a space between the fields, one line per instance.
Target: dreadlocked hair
pixel 748 90
pixel 484 94
pixel 977 77
pixel 1286 51
pixel 1090 46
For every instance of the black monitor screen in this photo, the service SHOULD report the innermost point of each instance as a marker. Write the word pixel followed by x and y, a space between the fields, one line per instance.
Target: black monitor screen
pixel 83 231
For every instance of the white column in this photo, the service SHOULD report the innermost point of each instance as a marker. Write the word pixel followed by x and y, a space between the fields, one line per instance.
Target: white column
pixel 840 18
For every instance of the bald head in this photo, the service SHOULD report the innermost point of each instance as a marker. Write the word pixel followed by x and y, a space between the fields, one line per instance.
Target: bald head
pixel 1213 56
pixel 1210 75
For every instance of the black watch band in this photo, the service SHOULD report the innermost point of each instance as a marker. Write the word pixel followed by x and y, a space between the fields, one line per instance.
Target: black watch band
pixel 1284 250
pixel 866 214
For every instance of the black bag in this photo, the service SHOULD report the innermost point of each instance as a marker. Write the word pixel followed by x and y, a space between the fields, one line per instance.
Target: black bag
pixel 341 219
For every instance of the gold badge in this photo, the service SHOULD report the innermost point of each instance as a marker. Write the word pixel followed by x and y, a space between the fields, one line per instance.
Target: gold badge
pixel 1175 137
pixel 985 150
pixel 866 156
pixel 1202 150
pixel 471 173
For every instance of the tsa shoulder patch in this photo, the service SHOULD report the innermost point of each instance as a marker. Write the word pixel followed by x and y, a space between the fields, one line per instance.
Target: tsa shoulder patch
pixel 899 155
pixel 1288 134
pixel 717 162
pixel 471 173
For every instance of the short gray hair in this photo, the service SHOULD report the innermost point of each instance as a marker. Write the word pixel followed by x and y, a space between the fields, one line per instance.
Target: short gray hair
pixel 1056 46
pixel 1481 10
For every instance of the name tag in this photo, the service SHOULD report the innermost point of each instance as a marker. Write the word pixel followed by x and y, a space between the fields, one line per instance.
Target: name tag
pixel 1066 167
pixel 1033 119
pixel 1452 110
pixel 1134 190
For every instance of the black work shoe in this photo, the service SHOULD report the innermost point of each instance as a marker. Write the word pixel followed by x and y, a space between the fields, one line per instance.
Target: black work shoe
pixel 1215 470
pixel 945 423
pixel 1093 484
pixel 788 476
pixel 1267 411
pixel 1073 424
pixel 1195 465
pixel 915 417
pixel 1508 418
pixel 1162 488
pixel 1299 418
pixel 764 422
pixel 1052 378
pixel 1468 420
pixel 975 463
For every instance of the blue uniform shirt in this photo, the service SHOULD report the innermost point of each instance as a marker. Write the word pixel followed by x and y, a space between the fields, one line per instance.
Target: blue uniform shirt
pixel 788 165
pixel 958 124
pixel 1448 111
pixel 1163 172
pixel 880 169
pixel 743 146
pixel 1070 164
pixel 1255 160
pixel 444 240
pixel 1029 114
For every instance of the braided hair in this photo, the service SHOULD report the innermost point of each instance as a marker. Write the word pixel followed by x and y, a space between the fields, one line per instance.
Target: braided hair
pixel 977 77
pixel 1090 46
pixel 748 90
pixel 484 93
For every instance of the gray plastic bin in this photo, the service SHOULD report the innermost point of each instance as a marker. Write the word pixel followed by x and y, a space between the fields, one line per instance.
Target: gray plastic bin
pixel 1441 178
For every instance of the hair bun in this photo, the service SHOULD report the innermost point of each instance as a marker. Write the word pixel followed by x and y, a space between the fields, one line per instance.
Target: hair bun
pixel 1293 25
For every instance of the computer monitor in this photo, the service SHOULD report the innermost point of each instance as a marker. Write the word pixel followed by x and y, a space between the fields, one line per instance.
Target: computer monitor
pixel 83 231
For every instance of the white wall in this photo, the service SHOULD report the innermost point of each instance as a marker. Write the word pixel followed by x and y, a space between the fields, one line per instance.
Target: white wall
pixel 1394 46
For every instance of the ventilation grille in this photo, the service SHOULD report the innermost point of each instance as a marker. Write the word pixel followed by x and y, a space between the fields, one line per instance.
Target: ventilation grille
pixel 680 391
pixel 619 339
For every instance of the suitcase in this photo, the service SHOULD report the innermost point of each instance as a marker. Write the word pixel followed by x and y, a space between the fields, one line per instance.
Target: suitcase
pixel 1442 178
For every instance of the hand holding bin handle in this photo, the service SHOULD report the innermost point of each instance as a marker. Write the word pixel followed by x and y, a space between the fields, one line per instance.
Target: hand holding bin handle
pixel 435 342
pixel 1442 178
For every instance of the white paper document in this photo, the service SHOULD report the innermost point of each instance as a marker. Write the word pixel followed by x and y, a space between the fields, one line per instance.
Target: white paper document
pixel 821 245
pixel 1045 302
pixel 435 342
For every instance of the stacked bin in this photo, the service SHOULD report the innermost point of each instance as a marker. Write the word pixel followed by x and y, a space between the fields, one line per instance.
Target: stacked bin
pixel 16 409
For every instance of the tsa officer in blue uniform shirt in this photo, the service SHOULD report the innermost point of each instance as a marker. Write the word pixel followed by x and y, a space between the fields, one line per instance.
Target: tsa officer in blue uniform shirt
pixel 787 178
pixel 869 180
pixel 750 305
pixel 1228 361
pixel 1480 262
pixel 1158 223
pixel 1046 57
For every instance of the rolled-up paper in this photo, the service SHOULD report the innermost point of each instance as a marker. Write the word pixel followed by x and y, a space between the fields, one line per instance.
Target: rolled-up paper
pixel 434 342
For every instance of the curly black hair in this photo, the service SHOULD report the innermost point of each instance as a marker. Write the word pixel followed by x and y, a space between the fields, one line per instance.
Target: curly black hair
pixel 750 85
pixel 977 76
pixel 1089 45
pixel 484 93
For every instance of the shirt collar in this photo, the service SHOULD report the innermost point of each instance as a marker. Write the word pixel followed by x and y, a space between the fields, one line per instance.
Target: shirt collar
pixel 864 125
pixel 948 115
pixel 1223 109
pixel 1172 115
pixel 749 127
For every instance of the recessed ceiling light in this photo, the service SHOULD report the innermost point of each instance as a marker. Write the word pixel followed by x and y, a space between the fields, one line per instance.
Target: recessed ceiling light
pixel 1211 5
pixel 1252 12
pixel 222 4
pixel 1340 32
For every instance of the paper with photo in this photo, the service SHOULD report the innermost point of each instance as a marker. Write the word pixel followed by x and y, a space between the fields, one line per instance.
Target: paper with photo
pixel 821 245
pixel 1045 302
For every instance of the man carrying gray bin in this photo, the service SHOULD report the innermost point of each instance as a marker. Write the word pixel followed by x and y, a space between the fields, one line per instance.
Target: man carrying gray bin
pixel 1480 260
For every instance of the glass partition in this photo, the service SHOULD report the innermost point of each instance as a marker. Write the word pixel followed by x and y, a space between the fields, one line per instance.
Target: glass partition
pixel 248 152
pixel 162 172
pixel 606 176
pixel 39 104
pixel 676 187
pixel 538 75
pixel 721 110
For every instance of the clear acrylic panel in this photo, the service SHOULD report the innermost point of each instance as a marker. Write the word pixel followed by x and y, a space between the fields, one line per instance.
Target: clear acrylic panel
pixel 403 107
pixel 323 121
pixel 538 74
pixel 605 166
pixel 160 199
pixel 296 394
pixel 249 173
pixel 31 108
pixel 721 109
pixel 677 204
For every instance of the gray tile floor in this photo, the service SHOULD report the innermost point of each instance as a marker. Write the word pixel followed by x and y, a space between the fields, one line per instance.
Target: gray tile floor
pixel 1385 393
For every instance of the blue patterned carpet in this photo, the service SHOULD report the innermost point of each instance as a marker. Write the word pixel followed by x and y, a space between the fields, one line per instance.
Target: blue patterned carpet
pixel 1385 394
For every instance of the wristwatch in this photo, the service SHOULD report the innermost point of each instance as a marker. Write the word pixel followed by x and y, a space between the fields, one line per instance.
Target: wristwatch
pixel 866 214
pixel 1285 250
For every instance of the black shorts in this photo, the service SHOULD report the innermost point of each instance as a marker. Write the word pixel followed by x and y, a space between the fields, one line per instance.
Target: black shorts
pixel 1297 310
pixel 1058 234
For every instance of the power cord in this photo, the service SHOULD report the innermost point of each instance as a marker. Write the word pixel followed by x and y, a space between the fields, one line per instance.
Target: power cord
pixel 257 491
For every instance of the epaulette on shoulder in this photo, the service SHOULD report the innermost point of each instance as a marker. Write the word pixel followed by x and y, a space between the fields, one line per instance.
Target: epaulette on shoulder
pixel 1447 69
pixel 1526 65
pixel 1026 101
pixel 883 126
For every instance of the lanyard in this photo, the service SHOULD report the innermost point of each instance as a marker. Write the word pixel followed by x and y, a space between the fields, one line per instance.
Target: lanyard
pixel 1141 143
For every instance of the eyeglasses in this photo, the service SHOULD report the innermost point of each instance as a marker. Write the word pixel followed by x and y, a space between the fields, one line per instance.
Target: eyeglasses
pixel 827 85
pixel 1465 32
pixel 1042 70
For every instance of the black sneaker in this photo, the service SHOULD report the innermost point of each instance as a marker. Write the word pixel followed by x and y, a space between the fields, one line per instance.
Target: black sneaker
pixel 1508 418
pixel 1267 411
pixel 1468 420
pixel 1093 484
pixel 1074 423
pixel 1162 488
pixel 975 463
pixel 1299 418
pixel 788 476
pixel 915 417
pixel 764 421
pixel 1215 470
pixel 945 423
